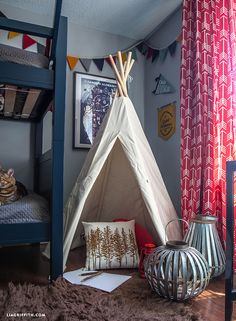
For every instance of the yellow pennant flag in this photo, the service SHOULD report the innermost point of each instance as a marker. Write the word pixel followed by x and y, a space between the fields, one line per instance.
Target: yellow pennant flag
pixel 12 34
pixel 72 61
pixel 124 56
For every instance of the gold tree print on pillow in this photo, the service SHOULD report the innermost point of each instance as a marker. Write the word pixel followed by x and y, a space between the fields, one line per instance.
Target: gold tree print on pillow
pixel 118 246
pixel 125 243
pixel 111 246
pixel 99 238
pixel 107 245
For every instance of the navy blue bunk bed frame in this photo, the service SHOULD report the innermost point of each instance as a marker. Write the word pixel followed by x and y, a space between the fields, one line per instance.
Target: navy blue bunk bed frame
pixel 53 81
pixel 230 290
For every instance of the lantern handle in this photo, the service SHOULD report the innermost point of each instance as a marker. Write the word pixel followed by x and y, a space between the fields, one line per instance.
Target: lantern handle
pixel 175 219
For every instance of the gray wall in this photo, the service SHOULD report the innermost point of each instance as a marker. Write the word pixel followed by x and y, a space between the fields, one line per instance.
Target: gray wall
pixel 167 153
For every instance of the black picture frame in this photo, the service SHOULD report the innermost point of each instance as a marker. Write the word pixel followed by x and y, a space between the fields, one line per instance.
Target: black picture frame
pixel 93 96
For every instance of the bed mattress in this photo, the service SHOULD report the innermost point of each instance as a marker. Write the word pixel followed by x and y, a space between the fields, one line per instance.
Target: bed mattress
pixel 32 208
pixel 21 56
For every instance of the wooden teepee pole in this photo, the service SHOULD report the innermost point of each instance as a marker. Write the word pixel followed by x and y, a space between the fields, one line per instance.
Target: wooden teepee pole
pixel 122 76
pixel 118 77
pixel 121 66
pixel 127 65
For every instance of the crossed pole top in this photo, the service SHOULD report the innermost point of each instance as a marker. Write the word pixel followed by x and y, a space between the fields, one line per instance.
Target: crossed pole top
pixel 122 74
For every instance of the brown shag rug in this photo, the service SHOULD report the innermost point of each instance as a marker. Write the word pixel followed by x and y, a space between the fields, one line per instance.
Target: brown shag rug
pixel 62 301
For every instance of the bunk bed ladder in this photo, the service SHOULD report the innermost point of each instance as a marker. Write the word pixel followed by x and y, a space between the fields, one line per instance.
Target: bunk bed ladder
pixel 230 291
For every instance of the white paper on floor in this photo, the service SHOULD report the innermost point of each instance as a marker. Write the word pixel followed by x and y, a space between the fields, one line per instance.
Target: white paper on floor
pixel 105 281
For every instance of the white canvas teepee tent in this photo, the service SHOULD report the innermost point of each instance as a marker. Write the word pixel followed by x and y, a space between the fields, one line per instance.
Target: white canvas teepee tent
pixel 120 177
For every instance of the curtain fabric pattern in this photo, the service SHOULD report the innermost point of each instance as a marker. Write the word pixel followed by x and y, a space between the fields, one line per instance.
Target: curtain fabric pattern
pixel 208 105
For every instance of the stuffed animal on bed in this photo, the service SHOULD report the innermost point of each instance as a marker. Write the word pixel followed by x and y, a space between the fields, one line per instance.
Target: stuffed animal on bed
pixel 10 189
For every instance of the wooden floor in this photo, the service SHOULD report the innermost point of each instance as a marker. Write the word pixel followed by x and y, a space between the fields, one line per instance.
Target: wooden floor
pixel 26 264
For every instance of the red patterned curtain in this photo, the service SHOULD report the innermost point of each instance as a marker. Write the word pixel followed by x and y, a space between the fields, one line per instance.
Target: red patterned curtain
pixel 208 105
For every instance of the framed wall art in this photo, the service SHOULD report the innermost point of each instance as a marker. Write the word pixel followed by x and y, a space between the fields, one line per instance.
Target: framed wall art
pixel 93 96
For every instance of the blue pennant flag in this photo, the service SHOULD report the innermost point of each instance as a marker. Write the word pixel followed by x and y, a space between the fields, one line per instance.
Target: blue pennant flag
pixel 155 55
pixel 172 48
pixel 163 54
pixel 99 63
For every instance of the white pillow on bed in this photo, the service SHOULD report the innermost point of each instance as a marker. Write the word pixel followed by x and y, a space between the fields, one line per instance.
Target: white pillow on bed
pixel 110 245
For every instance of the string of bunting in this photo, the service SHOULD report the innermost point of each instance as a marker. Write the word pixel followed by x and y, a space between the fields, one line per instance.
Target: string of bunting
pixel 150 53
pixel 27 41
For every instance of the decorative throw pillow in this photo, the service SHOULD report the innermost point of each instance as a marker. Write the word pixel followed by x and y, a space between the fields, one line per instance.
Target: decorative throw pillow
pixel 142 235
pixel 110 245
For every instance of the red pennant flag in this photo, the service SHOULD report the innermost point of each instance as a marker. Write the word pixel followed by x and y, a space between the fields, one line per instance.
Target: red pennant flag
pixel 27 41
pixel 108 61
pixel 114 58
pixel 150 53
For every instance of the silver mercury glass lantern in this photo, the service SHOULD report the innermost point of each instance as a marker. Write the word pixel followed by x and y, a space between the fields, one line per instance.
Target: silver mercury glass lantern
pixel 202 235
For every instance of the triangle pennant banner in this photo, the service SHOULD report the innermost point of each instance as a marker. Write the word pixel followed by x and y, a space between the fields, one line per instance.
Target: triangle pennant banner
pixel 163 54
pixel 162 86
pixel 86 63
pixel 114 58
pixel 108 61
pixel 172 48
pixel 123 56
pixel 145 49
pixel 99 63
pixel 140 48
pixel 179 38
pixel 40 48
pixel 72 61
pixel 149 53
pixel 27 41
pixel 155 55
pixel 12 34
pixel 134 54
